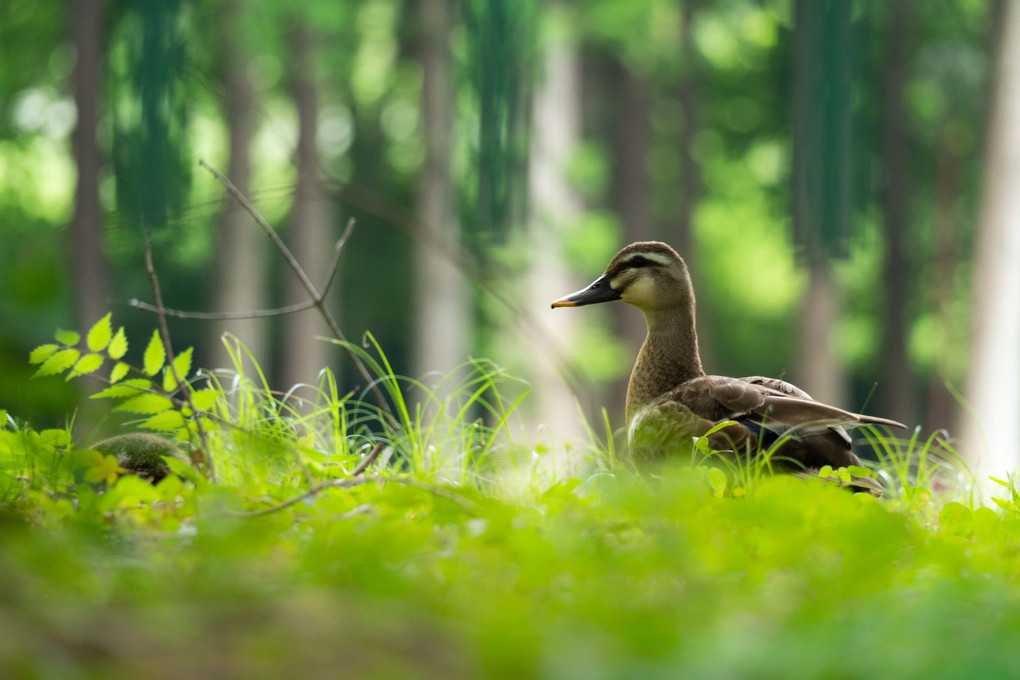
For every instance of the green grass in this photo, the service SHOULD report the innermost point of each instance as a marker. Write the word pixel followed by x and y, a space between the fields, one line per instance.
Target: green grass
pixel 457 552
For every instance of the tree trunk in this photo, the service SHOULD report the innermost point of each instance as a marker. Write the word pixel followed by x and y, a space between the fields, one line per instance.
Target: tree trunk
pixel 821 181
pixel 553 203
pixel 991 434
pixel 633 195
pixel 941 403
pixel 442 298
pixel 239 284
pixel 88 267
pixel 895 396
pixel 302 355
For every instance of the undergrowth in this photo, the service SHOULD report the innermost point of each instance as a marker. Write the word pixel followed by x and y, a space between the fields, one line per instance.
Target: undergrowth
pixel 321 534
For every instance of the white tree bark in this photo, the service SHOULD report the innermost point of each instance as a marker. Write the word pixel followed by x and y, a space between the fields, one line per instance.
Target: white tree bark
pixel 239 283
pixel 442 301
pixel 553 203
pixel 303 356
pixel 990 434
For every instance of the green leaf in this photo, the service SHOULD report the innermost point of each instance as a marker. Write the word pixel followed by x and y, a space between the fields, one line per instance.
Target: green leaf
pixel 99 335
pixel 146 403
pixel 87 364
pixel 58 363
pixel 119 345
pixel 167 421
pixel 204 399
pixel 42 353
pixel 858 471
pixel 118 372
pixel 155 355
pixel 68 338
pixel 717 480
pixel 55 437
pixel 182 363
pixel 826 471
pixel 128 388
pixel 185 470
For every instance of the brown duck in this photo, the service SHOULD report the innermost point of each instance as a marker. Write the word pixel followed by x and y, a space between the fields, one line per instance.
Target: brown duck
pixel 670 399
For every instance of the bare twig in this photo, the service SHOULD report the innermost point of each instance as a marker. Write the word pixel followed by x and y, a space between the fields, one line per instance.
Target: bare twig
pixel 369 459
pixel 337 251
pixel 352 482
pixel 226 316
pixel 309 287
pixel 164 333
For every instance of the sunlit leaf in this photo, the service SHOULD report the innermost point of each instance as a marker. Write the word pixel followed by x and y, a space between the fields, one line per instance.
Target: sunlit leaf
pixel 717 480
pixel 42 353
pixel 155 355
pixel 204 399
pixel 99 335
pixel 87 364
pixel 106 469
pixel 54 437
pixel 118 345
pixel 58 363
pixel 167 421
pixel 146 403
pixel 68 338
pixel 182 363
pixel 858 471
pixel 128 388
pixel 118 372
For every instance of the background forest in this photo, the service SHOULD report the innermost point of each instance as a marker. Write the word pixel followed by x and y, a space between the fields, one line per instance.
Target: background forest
pixel 837 174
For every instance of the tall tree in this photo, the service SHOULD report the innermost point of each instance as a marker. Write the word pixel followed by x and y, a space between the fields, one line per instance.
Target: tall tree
pixel 88 266
pixel 239 283
pixel 821 177
pixel 442 298
pixel 990 429
pixel 633 190
pixel 553 204
pixel 302 355
pixel 895 395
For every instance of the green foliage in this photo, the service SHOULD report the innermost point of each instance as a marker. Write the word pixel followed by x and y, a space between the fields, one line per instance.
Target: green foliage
pixel 335 531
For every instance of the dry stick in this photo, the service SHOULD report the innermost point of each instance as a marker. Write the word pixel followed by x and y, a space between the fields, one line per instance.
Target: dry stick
pixel 164 332
pixel 259 313
pixel 317 299
pixel 463 502
pixel 225 316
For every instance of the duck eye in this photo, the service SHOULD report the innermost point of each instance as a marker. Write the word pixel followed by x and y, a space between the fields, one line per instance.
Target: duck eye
pixel 639 262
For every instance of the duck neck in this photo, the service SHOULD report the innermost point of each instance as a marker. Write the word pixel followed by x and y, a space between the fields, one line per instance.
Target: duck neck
pixel 668 357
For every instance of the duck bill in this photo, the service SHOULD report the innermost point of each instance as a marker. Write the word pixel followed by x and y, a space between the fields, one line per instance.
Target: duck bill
pixel 598 291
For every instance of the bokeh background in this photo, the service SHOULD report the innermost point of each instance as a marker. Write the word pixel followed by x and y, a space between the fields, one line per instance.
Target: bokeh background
pixel 842 178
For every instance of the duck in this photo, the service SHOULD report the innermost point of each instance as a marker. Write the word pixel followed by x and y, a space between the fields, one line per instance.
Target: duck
pixel 671 400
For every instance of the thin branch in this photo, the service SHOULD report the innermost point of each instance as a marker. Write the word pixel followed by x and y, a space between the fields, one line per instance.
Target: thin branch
pixel 164 333
pixel 307 284
pixel 337 251
pixel 226 316
pixel 352 482
pixel 369 459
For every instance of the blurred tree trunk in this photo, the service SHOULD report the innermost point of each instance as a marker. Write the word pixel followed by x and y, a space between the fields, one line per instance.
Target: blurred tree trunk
pixel 88 267
pixel 821 177
pixel 302 355
pixel 442 302
pixel 895 396
pixel 689 99
pixel 947 243
pixel 991 436
pixel 633 191
pixel 239 283
pixel 553 204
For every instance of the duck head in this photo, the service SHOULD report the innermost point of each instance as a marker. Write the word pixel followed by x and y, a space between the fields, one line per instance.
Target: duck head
pixel 648 274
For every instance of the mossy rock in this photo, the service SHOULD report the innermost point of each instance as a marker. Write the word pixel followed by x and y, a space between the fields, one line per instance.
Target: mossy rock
pixel 142 454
